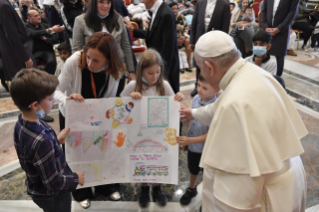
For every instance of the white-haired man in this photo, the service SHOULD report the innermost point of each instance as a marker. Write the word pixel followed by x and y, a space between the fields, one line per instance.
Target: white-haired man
pixel 251 155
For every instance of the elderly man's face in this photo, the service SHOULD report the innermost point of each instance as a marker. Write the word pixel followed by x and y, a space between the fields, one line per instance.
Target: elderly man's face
pixel 207 71
pixel 149 3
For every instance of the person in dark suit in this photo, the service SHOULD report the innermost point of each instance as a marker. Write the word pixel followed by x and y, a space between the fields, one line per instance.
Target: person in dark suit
pixel 41 40
pixel 161 36
pixel 14 48
pixel 209 15
pixel 276 18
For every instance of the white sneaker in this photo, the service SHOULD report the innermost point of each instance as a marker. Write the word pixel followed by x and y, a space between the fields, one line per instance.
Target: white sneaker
pixel 315 49
pixel 304 47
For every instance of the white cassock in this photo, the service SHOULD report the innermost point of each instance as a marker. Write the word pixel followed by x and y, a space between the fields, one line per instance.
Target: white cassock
pixel 251 156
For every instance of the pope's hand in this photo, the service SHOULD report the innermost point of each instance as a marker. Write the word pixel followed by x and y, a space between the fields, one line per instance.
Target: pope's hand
pixel 186 114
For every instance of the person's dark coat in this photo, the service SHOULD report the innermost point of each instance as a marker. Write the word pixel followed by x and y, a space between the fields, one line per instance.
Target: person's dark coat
pixel 286 12
pixel 219 21
pixel 162 37
pixel 34 34
pixel 13 41
pixel 120 7
pixel 69 13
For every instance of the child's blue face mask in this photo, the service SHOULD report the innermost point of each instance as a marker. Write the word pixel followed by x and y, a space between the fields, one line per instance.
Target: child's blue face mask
pixel 144 80
pixel 259 50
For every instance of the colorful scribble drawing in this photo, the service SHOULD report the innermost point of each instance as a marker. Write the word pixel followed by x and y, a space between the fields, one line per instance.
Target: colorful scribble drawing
pixel 158 112
pixel 120 113
pixel 142 170
pixel 74 139
pixel 170 136
pixel 98 138
pixel 87 138
pixel 148 145
pixel 120 139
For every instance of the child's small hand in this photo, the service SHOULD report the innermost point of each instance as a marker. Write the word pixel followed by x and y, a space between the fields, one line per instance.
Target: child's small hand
pixel 81 178
pixel 179 97
pixel 185 148
pixel 183 140
pixel 76 97
pixel 62 135
pixel 136 95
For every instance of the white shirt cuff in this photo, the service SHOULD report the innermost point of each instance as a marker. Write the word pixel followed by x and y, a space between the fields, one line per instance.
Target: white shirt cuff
pixel 194 113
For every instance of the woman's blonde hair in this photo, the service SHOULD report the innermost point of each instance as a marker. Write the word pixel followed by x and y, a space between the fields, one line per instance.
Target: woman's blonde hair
pixel 149 58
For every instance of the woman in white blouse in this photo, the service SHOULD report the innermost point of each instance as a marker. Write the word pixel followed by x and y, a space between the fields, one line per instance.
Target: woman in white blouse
pixel 91 73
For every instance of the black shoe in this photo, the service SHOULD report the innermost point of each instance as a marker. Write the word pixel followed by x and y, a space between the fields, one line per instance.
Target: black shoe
pixel 47 118
pixel 144 198
pixel 187 197
pixel 182 71
pixel 158 196
pixel 194 92
pixel 188 70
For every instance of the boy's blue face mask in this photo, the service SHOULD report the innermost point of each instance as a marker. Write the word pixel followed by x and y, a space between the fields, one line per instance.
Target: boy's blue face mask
pixel 259 51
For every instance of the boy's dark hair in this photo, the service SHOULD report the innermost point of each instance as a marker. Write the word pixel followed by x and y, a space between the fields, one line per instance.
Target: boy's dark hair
pixel 249 8
pixel 281 81
pixel 65 46
pixel 232 4
pixel 262 36
pixel 30 85
pixel 201 78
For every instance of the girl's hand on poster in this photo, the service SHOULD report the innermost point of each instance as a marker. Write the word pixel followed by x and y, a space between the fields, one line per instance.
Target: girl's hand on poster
pixel 76 97
pixel 179 97
pixel 62 135
pixel 136 95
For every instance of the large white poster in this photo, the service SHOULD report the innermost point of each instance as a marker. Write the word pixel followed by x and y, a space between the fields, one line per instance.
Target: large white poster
pixel 120 140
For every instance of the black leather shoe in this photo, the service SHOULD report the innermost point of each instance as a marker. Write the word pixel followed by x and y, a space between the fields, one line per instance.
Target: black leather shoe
pixel 188 70
pixel 47 118
pixel 158 196
pixel 187 197
pixel 144 198
pixel 194 92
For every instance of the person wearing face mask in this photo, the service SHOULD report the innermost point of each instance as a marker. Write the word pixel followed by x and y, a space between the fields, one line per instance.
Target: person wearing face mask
pixel 303 23
pixel 187 8
pixel 69 11
pixel 101 16
pixel 88 74
pixel 262 44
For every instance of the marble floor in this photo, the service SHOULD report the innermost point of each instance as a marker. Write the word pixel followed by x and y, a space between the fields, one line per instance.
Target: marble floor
pixel 302 78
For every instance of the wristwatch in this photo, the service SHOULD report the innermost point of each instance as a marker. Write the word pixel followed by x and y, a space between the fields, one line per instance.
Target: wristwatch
pixel 50 31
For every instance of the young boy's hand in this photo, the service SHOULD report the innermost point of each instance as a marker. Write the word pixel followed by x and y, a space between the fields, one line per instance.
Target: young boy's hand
pixel 81 178
pixel 183 140
pixel 179 97
pixel 186 114
pixel 62 135
pixel 136 95
pixel 185 148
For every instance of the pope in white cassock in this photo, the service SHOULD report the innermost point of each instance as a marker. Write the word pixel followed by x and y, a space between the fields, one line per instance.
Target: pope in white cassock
pixel 251 156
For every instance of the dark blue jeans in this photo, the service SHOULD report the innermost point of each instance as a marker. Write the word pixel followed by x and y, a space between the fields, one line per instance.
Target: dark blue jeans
pixel 57 202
